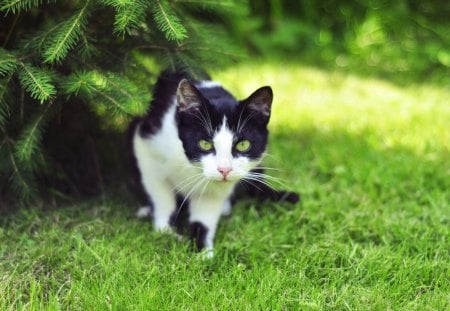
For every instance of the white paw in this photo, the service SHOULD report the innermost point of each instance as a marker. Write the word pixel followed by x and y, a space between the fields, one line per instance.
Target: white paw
pixel 226 208
pixel 206 254
pixel 144 212
pixel 171 232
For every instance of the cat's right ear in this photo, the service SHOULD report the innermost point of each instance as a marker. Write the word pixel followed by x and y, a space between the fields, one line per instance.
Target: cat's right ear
pixel 188 97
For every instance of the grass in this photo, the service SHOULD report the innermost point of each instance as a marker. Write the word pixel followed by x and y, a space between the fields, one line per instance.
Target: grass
pixel 372 232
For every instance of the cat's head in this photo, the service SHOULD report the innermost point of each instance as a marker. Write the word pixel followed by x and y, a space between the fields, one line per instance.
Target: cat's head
pixel 225 137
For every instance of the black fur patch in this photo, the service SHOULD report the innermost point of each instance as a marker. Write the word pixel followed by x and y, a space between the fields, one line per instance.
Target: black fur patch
pixel 244 120
pixel 198 233
pixel 179 217
pixel 163 93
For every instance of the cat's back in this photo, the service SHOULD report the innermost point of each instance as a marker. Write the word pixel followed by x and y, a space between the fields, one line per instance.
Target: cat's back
pixel 164 94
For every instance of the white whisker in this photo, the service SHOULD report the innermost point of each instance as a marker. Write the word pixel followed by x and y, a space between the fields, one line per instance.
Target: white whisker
pixel 186 182
pixel 208 122
pixel 205 123
pixel 244 123
pixel 203 189
pixel 199 183
pixel 269 168
pixel 252 184
pixel 264 178
pixel 261 181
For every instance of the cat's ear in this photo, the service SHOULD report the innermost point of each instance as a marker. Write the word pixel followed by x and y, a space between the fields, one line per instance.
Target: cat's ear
pixel 260 101
pixel 188 97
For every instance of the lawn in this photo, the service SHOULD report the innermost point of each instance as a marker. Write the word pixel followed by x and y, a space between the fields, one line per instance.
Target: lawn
pixel 370 160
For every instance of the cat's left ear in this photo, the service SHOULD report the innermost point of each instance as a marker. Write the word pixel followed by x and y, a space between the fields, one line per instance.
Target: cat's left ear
pixel 188 97
pixel 260 101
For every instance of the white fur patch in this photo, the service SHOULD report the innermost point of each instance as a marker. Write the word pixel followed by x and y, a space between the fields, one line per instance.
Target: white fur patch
pixel 223 143
pixel 144 212
pixel 207 84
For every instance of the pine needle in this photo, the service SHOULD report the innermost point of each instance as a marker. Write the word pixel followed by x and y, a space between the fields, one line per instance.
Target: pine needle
pixel 19 179
pixel 118 94
pixel 66 36
pixel 168 22
pixel 28 143
pixel 7 63
pixel 5 100
pixel 37 82
pixel 19 5
pixel 129 14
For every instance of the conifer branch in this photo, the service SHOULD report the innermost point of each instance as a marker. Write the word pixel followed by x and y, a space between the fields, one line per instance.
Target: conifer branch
pixel 168 22
pixel 86 49
pixel 67 35
pixel 4 101
pixel 7 62
pixel 129 14
pixel 37 82
pixel 20 5
pixel 117 93
pixel 111 100
pixel 19 179
pixel 28 143
pixel 36 43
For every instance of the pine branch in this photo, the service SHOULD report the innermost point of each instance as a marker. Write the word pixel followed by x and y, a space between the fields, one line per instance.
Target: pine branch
pixel 129 14
pixel 118 94
pixel 28 143
pixel 134 96
pixel 66 35
pixel 37 82
pixel 20 179
pixel 78 82
pixel 7 63
pixel 19 5
pixel 35 44
pixel 5 101
pixel 86 49
pixel 167 21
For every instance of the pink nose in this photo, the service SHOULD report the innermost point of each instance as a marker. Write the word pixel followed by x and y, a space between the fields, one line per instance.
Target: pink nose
pixel 224 171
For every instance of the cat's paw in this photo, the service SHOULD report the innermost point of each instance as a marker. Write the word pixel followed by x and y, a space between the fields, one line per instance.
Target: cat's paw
pixel 144 212
pixel 206 254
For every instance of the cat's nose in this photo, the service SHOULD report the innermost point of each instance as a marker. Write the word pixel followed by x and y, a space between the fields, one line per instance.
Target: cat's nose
pixel 224 171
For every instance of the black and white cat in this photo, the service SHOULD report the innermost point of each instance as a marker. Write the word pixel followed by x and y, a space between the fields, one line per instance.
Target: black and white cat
pixel 199 144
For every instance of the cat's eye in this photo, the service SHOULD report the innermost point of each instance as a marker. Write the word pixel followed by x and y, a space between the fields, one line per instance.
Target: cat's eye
pixel 205 145
pixel 243 145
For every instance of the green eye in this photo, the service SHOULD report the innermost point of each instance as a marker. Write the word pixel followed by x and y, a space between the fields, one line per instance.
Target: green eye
pixel 205 145
pixel 243 145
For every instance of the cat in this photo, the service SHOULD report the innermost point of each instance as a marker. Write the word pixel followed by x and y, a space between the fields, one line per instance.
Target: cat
pixel 200 147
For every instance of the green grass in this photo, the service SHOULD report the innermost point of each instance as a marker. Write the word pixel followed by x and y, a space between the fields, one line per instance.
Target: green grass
pixel 372 232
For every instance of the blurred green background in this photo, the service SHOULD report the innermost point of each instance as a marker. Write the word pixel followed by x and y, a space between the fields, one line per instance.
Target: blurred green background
pixel 405 41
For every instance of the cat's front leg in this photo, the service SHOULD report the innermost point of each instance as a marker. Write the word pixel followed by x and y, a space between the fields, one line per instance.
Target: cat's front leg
pixel 163 202
pixel 203 219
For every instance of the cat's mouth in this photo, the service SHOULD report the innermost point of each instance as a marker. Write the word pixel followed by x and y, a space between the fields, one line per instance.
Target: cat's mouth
pixel 225 179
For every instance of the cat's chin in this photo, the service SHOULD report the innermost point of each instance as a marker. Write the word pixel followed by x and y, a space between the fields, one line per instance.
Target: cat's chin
pixel 221 180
